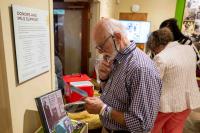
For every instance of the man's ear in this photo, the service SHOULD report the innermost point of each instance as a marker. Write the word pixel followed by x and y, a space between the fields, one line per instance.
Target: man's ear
pixel 118 40
pixel 117 36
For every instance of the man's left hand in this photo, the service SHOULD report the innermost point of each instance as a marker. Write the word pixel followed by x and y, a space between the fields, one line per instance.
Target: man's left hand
pixel 93 105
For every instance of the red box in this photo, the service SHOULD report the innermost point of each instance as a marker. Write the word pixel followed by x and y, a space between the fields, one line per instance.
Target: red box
pixel 76 77
pixel 81 81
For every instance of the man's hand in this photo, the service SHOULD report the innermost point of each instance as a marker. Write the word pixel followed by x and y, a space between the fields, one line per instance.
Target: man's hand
pixel 93 105
pixel 104 70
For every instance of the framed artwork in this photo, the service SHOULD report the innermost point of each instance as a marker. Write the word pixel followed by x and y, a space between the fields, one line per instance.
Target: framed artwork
pixel 191 18
pixel 51 109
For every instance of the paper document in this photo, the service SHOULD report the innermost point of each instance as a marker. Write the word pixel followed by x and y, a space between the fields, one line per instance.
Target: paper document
pixel 79 91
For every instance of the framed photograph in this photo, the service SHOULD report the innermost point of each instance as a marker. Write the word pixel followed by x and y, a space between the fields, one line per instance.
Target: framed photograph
pixel 51 109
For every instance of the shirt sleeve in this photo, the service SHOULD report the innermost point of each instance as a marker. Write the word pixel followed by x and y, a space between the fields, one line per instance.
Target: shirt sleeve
pixel 145 98
pixel 160 65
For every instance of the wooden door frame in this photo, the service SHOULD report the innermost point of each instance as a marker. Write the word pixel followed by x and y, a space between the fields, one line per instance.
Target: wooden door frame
pixel 85 9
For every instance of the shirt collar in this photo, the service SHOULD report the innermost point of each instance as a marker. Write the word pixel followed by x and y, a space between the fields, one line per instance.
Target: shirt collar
pixel 121 55
pixel 171 44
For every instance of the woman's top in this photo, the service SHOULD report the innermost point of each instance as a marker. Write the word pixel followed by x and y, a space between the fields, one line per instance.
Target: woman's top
pixel 177 66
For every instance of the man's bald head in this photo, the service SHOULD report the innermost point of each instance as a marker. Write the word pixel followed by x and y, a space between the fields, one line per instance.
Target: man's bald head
pixel 106 27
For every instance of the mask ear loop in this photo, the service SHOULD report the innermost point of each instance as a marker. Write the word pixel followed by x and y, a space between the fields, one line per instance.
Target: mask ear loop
pixel 113 38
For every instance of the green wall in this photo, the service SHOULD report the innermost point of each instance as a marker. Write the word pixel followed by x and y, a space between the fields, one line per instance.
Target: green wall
pixel 180 5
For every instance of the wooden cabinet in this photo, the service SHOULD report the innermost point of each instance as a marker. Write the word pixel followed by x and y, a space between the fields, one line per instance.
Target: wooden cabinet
pixel 133 16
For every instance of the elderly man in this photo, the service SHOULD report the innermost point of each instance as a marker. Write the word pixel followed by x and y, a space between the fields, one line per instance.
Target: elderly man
pixel 130 83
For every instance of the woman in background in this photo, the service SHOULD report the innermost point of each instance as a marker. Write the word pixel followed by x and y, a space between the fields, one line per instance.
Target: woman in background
pixel 178 35
pixel 182 39
pixel 59 73
pixel 177 65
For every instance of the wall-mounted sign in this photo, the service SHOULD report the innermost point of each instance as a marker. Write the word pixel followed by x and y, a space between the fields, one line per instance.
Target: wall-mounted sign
pixel 32 42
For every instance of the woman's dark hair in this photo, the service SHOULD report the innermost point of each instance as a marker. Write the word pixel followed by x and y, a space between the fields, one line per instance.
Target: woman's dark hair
pixel 172 25
pixel 56 52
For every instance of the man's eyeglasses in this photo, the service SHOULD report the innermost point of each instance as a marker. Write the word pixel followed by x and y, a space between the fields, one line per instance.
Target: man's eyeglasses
pixel 100 47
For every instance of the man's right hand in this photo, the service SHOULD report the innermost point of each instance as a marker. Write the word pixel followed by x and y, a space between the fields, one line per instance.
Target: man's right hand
pixel 104 69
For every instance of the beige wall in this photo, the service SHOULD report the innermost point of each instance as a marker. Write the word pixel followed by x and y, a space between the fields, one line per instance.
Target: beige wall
pixel 107 8
pixel 95 10
pixel 158 10
pixel 19 102
pixel 4 99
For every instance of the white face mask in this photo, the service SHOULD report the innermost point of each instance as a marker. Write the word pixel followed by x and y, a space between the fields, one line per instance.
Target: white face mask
pixel 110 57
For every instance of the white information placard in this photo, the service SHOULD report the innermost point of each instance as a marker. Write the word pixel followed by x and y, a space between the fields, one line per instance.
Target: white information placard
pixel 32 42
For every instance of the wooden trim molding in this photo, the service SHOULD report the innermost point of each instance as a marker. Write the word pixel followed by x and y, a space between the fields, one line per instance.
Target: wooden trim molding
pixel 133 16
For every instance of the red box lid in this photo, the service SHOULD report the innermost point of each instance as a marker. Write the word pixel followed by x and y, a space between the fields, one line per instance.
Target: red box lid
pixel 76 77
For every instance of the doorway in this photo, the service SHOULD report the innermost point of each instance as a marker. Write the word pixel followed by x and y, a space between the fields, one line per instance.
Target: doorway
pixel 71 34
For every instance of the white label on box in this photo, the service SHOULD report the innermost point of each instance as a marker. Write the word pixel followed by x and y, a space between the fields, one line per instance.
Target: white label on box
pixel 82 83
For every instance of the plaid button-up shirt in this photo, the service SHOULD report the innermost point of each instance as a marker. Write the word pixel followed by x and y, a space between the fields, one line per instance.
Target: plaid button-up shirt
pixel 134 87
